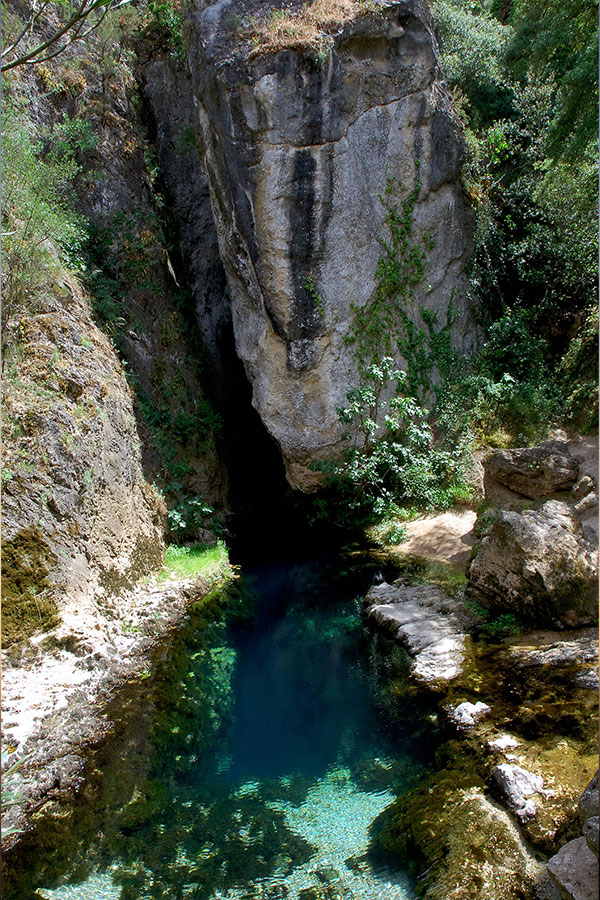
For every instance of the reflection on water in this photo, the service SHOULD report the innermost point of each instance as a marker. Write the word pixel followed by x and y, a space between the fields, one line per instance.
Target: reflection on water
pixel 252 765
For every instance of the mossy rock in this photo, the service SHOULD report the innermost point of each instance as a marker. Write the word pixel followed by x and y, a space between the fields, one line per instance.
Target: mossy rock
pixel 457 843
pixel 27 604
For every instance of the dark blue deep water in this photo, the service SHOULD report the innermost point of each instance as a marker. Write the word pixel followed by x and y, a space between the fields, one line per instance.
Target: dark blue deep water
pixel 251 764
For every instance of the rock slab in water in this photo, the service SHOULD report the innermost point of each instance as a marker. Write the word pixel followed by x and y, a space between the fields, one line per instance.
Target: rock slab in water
pixel 516 572
pixel 534 472
pixel 574 870
pixel 517 786
pixel 427 622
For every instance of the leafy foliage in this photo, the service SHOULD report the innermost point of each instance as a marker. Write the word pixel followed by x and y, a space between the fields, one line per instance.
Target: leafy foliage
pixel 393 458
pixel 188 518
pixel 559 42
pixel 517 74
pixel 165 26
pixel 380 327
pixel 40 229
pixel 76 20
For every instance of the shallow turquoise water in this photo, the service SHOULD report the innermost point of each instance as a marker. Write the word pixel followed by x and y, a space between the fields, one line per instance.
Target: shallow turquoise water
pixel 252 764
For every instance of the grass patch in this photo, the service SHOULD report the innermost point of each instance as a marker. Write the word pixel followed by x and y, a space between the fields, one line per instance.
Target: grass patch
pixel 190 562
pixel 308 27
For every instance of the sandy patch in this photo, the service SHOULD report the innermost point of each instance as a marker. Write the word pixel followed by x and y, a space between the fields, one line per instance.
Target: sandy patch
pixel 446 537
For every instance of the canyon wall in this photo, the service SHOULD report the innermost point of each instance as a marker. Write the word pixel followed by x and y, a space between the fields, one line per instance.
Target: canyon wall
pixel 298 148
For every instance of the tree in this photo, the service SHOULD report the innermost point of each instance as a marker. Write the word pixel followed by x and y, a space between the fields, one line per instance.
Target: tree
pixel 82 17
pixel 559 41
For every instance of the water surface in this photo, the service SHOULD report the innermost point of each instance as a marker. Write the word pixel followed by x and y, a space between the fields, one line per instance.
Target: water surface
pixel 253 763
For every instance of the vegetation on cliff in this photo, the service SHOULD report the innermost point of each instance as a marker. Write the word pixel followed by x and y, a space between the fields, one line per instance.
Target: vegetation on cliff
pixel 531 177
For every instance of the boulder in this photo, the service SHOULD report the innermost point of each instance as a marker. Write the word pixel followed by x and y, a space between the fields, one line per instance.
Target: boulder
pixel 588 804
pixel 428 623
pixel 574 870
pixel 590 833
pixel 538 565
pixel 517 786
pixel 535 472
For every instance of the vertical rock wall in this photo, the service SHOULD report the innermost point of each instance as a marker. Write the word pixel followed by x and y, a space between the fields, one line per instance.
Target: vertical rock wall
pixel 297 151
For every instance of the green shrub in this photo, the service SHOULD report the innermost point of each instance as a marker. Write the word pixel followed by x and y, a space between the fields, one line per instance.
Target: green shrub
pixel 165 26
pixel 188 518
pixel 40 230
pixel 393 458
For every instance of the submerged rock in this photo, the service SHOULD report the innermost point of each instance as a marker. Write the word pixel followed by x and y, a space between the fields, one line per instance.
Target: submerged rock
pixel 517 786
pixel 467 714
pixel 503 743
pixel 464 843
pixel 534 472
pixel 574 870
pixel 428 623
pixel 578 648
pixel 516 572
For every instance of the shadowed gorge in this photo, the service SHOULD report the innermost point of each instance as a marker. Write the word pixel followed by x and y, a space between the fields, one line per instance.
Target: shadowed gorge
pixel 299 450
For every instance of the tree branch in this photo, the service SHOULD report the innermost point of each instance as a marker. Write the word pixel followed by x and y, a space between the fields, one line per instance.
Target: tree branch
pixel 78 19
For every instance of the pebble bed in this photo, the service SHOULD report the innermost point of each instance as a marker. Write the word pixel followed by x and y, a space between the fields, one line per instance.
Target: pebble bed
pixel 335 819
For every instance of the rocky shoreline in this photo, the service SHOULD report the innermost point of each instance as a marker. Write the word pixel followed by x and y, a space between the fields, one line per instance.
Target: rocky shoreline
pixel 520 709
pixel 56 686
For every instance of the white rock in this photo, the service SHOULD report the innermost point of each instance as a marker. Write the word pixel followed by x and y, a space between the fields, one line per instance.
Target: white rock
pixel 467 714
pixel 504 742
pixel 516 785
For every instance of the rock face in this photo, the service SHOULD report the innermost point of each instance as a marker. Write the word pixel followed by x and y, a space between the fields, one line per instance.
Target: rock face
pixel 537 564
pixel 298 150
pixel 574 870
pixel 428 623
pixel 84 516
pixel 535 472
pixel 168 94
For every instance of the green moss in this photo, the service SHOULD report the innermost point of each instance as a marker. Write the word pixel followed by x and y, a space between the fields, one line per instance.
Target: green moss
pixel 457 842
pixel 420 570
pixel 27 603
pixel 414 831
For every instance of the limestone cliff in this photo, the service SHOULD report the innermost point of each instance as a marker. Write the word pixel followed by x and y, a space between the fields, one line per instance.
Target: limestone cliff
pixel 79 521
pixel 300 133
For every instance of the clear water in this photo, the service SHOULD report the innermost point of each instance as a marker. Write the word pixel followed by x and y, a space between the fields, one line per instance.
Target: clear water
pixel 253 764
